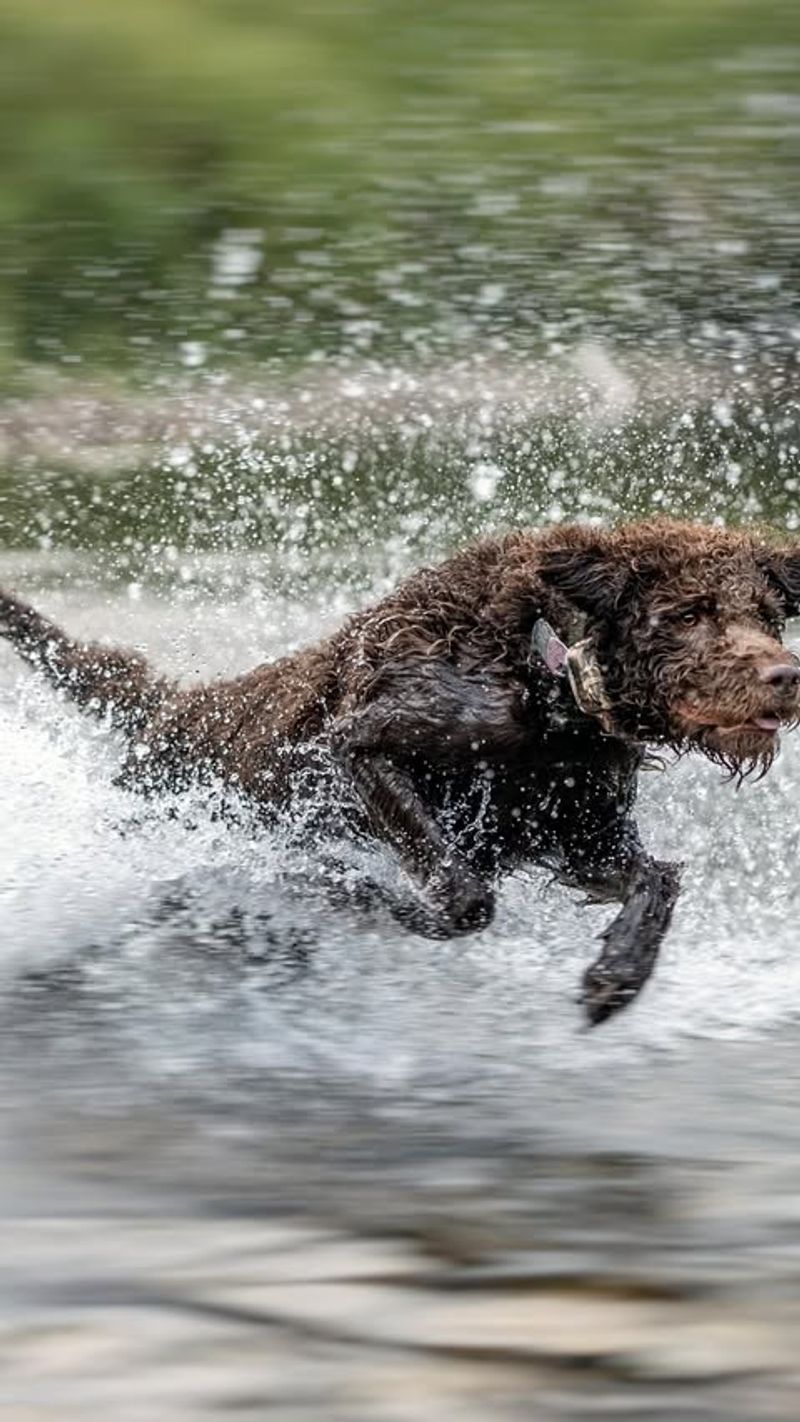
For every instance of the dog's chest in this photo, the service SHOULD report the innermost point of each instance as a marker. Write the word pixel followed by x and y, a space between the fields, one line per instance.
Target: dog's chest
pixel 538 801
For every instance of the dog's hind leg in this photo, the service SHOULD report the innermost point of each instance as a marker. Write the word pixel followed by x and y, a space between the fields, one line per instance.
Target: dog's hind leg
pixel 105 681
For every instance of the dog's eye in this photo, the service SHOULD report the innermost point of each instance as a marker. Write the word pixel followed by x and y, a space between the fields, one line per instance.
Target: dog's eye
pixel 690 616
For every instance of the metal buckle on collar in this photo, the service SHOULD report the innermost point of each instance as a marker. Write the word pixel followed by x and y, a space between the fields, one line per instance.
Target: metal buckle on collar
pixel 579 665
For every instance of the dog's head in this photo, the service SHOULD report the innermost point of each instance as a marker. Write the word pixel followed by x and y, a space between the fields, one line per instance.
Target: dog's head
pixel 686 624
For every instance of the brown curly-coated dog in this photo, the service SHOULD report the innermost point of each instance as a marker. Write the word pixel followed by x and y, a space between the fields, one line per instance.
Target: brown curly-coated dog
pixel 445 713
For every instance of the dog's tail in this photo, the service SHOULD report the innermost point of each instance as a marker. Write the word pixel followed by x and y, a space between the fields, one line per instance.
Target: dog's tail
pixel 105 681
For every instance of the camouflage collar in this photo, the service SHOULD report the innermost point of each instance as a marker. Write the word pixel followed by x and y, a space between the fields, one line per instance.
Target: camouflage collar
pixel 578 664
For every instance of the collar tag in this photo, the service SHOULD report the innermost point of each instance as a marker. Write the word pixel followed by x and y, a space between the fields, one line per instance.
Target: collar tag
pixel 578 665
pixel 549 647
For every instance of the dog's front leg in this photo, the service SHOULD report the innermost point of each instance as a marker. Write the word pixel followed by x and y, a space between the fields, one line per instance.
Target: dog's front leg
pixel 648 889
pixel 456 899
pixel 372 746
pixel 428 713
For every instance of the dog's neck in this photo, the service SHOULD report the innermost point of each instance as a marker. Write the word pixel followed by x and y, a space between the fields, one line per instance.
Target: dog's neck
pixel 577 664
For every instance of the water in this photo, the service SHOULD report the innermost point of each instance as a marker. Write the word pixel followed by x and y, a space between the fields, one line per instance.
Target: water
pixel 212 1086
pixel 375 289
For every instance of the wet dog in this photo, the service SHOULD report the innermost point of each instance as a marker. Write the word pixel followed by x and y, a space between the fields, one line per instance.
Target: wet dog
pixel 492 711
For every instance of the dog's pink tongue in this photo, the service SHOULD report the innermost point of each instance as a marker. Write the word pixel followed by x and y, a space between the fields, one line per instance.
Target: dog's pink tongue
pixel 768 723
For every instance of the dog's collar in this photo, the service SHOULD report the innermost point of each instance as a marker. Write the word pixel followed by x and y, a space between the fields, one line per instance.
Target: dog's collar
pixel 578 665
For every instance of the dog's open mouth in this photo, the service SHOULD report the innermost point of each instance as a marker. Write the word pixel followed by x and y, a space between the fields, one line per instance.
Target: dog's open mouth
pixel 741 746
pixel 753 742
pixel 766 726
pixel 698 723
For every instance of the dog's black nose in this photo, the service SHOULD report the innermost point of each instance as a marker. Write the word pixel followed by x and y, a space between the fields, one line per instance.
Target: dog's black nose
pixel 784 676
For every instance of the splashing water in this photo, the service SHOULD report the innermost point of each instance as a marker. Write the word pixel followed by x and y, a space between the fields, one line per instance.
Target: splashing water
pixel 124 889
pixel 188 1025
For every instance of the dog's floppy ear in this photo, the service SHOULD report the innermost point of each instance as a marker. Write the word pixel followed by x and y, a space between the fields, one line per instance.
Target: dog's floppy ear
pixel 592 576
pixel 782 567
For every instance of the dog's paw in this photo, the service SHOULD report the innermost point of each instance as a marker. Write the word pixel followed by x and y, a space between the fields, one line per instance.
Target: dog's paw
pixel 605 992
pixel 463 902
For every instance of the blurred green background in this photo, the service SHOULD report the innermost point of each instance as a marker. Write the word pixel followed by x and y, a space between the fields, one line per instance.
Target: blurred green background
pixel 570 225
pixel 281 177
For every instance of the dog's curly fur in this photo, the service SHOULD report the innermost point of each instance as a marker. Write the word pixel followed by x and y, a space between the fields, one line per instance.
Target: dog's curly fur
pixel 466 754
